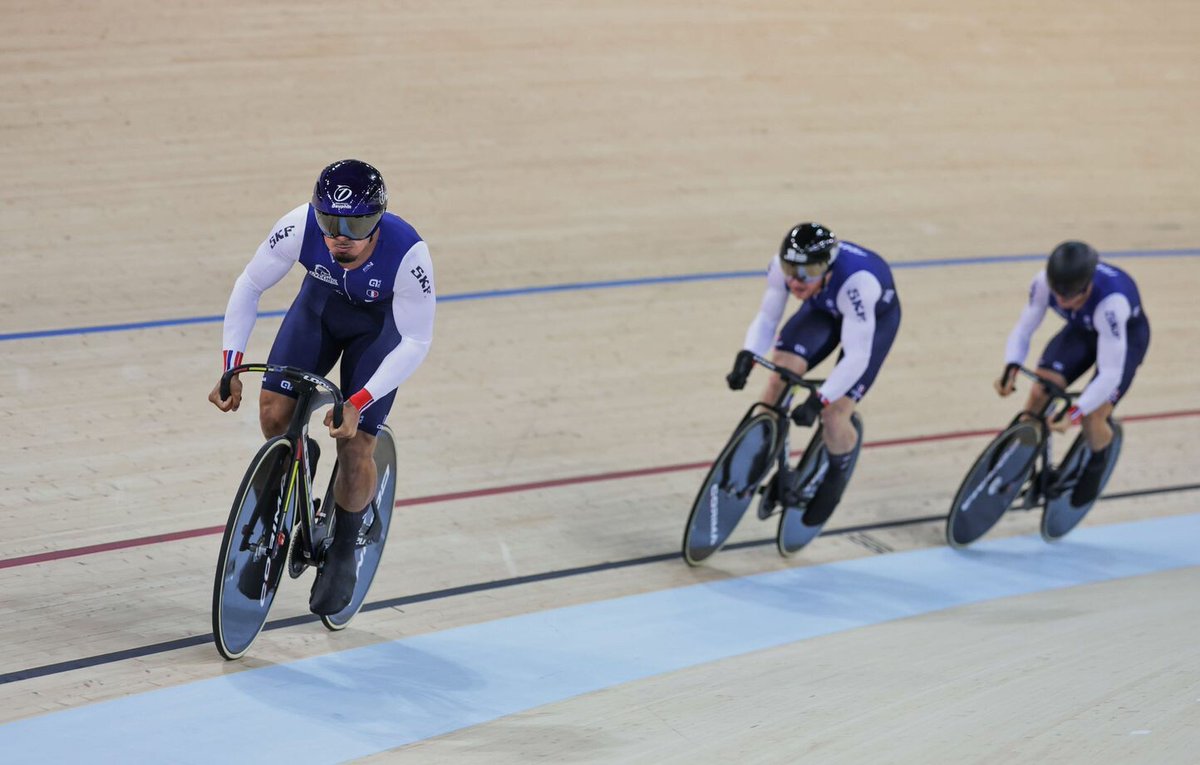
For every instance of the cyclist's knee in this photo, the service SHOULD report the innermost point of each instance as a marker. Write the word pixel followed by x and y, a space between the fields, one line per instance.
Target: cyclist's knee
pixel 838 412
pixel 1096 428
pixel 1098 418
pixel 790 361
pixel 356 450
pixel 274 413
pixel 836 419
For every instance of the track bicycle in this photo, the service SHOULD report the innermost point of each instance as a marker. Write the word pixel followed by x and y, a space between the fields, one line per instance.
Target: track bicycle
pixel 277 523
pixel 759 443
pixel 1016 471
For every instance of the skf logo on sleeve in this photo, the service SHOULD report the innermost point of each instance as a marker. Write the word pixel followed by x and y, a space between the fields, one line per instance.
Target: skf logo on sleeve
pixel 1111 318
pixel 422 278
pixel 279 236
pixel 856 301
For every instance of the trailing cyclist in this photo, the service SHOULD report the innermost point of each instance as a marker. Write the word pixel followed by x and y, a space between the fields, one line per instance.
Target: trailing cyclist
pixel 1106 326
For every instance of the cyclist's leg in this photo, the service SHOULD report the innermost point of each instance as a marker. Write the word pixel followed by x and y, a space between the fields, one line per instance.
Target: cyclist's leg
pixel 375 338
pixel 302 342
pixel 775 383
pixel 805 340
pixel 841 445
pixel 274 412
pixel 839 433
pixel 1067 356
pixel 1097 428
pixel 354 488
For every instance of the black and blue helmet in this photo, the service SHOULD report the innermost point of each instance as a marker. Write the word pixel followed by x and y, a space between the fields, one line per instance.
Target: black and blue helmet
pixel 349 199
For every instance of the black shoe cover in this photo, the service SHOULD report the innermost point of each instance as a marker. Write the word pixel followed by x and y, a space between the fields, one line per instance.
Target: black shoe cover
pixel 1088 488
pixel 334 587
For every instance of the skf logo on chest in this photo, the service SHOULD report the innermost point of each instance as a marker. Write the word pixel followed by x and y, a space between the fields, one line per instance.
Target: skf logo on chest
pixel 279 236
pixel 422 278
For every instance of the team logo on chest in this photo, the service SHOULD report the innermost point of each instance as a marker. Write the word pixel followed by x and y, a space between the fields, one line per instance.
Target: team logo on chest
pixel 321 273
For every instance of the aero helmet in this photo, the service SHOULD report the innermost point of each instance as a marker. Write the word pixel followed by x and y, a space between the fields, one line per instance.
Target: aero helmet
pixel 349 199
pixel 809 244
pixel 1070 268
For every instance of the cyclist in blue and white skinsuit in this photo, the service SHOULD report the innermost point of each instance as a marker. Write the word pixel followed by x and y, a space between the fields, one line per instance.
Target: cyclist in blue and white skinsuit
pixel 368 297
pixel 1106 326
pixel 849 298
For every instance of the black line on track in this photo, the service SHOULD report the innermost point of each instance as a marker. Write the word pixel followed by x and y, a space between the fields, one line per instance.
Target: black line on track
pixel 294 621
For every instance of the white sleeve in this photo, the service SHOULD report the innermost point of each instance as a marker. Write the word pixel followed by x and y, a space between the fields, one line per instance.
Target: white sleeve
pixel 1111 346
pixel 1017 347
pixel 761 334
pixel 413 301
pixel 274 258
pixel 856 300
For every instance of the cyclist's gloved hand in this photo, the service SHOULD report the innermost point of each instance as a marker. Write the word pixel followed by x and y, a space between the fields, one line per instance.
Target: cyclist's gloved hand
pixel 808 412
pixel 1008 380
pixel 741 370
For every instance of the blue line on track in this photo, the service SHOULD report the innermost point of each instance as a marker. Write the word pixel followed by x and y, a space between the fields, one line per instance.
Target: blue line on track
pixel 582 286
pixel 362 701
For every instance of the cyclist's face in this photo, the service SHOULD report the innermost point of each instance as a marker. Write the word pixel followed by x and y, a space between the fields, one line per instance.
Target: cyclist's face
pixel 1075 302
pixel 347 251
pixel 804 281
pixel 804 289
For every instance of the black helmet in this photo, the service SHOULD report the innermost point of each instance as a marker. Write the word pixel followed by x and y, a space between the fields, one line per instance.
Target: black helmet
pixel 1070 268
pixel 349 199
pixel 809 244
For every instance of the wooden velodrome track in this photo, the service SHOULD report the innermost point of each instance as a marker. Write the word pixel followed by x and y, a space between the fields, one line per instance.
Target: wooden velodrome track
pixel 147 151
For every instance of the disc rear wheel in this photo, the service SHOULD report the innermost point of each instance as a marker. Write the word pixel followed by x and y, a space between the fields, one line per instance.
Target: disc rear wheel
pixel 1061 514
pixel 794 532
pixel 375 529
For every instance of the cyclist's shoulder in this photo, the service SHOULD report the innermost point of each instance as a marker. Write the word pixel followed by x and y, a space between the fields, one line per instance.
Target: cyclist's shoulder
pixel 1112 278
pixel 399 230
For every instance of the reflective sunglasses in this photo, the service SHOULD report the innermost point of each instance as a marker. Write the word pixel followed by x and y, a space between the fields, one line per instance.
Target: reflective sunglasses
pixel 352 227
pixel 809 273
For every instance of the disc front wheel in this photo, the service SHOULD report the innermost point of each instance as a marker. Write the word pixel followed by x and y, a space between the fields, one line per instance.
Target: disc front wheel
pixel 253 550
pixel 992 483
pixel 729 487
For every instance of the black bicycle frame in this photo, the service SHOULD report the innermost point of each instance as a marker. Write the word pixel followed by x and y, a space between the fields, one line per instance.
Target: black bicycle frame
pixel 309 399
pixel 780 408
pixel 1045 481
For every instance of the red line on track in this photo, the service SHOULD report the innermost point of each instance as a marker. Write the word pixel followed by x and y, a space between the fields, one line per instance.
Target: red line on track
pixel 74 552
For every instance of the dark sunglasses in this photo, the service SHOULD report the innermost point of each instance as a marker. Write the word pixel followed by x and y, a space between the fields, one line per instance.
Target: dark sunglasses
pixel 352 227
